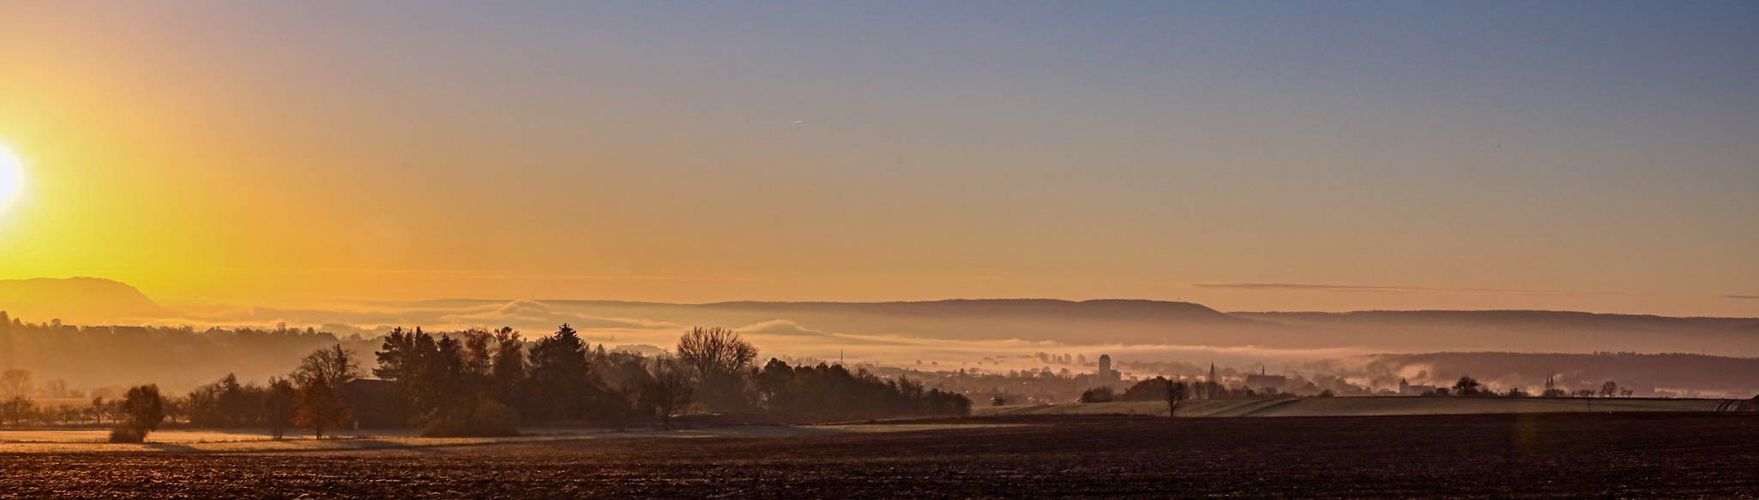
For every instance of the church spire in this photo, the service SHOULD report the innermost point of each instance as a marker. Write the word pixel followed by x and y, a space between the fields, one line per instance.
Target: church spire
pixel 1210 389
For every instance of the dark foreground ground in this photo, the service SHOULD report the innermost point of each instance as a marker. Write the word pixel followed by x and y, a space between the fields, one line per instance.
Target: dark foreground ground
pixel 1622 455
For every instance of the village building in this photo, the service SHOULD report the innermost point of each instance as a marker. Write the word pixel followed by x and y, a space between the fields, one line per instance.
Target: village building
pixel 1407 389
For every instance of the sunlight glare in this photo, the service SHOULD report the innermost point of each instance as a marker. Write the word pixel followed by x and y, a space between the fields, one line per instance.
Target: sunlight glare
pixel 11 178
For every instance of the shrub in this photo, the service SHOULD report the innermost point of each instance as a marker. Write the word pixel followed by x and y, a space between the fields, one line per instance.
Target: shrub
pixel 482 418
pixel 1097 395
pixel 144 409
pixel 122 433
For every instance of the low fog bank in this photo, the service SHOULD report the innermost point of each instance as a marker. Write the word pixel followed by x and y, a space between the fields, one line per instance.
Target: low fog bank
pixel 1664 375
pixel 197 343
pixel 1093 322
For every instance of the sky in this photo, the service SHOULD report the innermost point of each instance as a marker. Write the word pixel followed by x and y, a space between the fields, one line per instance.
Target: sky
pixel 1599 156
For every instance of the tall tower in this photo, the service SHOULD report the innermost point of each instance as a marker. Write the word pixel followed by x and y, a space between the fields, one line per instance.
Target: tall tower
pixel 1106 375
pixel 1213 386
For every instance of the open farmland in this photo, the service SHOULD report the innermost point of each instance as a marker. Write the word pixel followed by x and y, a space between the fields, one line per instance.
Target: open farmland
pixel 1366 406
pixel 1621 454
pixel 17 441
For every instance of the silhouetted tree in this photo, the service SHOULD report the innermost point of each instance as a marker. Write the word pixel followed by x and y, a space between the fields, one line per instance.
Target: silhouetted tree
pixel 280 406
pixel 621 376
pixel 447 371
pixel 413 362
pixel 772 384
pixel 560 380
pixel 449 383
pixel 1097 395
pixel 15 383
pixel 508 369
pixel 831 392
pixel 320 407
pixel 319 378
pixel 667 389
pixel 1609 389
pixel 1467 386
pixel 1176 392
pixel 474 415
pixel 396 355
pixel 225 403
pixel 478 355
pixel 1154 389
pixel 334 365
pixel 720 359
pixel 99 409
pixel 143 409
pixel 68 415
pixel 16 409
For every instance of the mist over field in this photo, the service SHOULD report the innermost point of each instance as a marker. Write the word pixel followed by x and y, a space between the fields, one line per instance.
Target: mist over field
pixel 1685 356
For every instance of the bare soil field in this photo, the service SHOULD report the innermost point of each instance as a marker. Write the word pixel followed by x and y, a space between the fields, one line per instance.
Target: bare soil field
pixel 1527 455
pixel 1364 406
pixel 62 440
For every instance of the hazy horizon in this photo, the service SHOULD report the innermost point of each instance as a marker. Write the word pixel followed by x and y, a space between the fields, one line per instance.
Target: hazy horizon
pixel 1243 156
pixel 911 248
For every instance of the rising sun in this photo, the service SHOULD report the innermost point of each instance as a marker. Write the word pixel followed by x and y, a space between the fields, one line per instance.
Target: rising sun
pixel 11 177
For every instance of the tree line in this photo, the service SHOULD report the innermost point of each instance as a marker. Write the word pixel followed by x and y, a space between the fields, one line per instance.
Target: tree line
pixel 92 361
pixel 489 383
pixel 309 396
pixel 484 383
pixel 1173 391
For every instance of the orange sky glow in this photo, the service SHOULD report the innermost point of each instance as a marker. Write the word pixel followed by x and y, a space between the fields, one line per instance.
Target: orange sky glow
pixel 270 154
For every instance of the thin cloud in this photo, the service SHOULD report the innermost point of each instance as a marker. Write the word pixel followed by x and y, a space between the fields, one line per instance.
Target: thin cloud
pixel 1741 297
pixel 481 275
pixel 780 327
pixel 531 312
pixel 1324 287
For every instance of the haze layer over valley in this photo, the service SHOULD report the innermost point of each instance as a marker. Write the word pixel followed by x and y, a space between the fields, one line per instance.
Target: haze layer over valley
pixel 1147 338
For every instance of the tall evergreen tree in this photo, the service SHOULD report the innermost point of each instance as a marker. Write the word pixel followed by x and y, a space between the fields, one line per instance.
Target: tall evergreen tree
pixel 508 370
pixel 560 379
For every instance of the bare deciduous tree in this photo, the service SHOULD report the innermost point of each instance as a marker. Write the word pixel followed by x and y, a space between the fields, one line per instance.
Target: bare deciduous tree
pixel 332 364
pixel 715 351
pixel 1177 392
pixel 320 378
pixel 668 390
pixel 280 406
pixel 320 406
pixel 15 384
pixel 719 357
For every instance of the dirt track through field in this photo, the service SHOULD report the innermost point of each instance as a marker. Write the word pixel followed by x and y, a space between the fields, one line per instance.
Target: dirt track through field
pixel 1664 455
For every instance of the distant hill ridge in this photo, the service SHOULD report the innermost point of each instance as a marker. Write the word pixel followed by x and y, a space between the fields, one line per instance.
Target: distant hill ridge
pixel 78 299
pixel 1511 317
pixel 1126 321
pixel 1089 309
